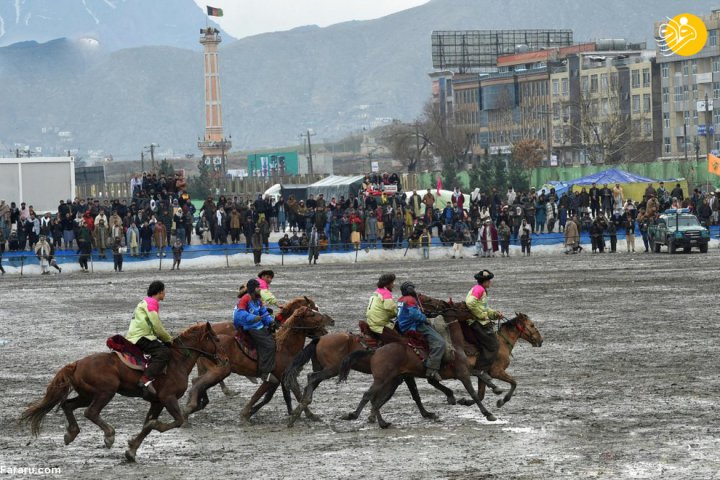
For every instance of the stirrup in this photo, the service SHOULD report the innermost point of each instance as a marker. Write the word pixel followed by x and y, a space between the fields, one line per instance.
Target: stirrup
pixel 487 380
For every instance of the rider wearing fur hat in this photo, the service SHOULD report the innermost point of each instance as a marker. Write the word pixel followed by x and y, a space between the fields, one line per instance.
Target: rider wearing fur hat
pixel 482 324
pixel 411 318
pixel 251 315
pixel 382 309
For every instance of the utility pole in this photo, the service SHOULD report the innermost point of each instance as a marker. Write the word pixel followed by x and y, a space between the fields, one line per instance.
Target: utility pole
pixel 417 145
pixel 310 159
pixel 685 141
pixel 142 161
pixel 709 127
pixel 152 148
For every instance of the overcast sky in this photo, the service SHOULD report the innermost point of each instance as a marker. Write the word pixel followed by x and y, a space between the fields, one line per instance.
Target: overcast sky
pixel 249 17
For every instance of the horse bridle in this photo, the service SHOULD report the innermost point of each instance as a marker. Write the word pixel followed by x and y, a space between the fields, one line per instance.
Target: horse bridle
pixel 215 357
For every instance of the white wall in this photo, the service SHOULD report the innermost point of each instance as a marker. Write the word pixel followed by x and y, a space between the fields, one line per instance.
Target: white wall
pixel 38 181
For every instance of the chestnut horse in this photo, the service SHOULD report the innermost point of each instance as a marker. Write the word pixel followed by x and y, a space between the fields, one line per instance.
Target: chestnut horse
pixel 228 328
pixel 508 335
pixel 98 377
pixel 290 340
pixel 393 362
pixel 329 351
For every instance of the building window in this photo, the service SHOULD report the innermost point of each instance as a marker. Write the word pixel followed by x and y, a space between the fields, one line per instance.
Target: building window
pixel 646 77
pixel 666 119
pixel 667 146
pixel 564 84
pixel 556 87
pixel 716 89
pixel 678 93
pixel 665 94
pixel 635 78
pixel 716 64
pixel 716 116
pixel 712 38
pixel 603 82
pixel 686 117
pixel 680 143
pixel 584 83
pixel 694 91
pixel 593 83
pixel 685 68
pixel 693 64
pixel 636 103
pixel 647 103
pixel 614 80
pixel 695 117
pixel 665 69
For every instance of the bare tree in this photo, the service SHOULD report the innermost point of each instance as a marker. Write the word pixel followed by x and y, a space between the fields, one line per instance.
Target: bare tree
pixel 407 142
pixel 528 153
pixel 448 141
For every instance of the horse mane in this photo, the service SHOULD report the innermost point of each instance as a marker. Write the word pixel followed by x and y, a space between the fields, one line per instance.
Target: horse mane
pixel 284 330
pixel 512 322
pixel 193 331
pixel 293 305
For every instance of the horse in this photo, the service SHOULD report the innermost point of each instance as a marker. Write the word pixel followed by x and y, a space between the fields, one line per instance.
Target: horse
pixel 290 339
pixel 508 334
pixel 98 377
pixel 228 328
pixel 393 362
pixel 329 351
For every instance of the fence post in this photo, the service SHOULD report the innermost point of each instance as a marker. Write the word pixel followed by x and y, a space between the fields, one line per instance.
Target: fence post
pixel 227 260
pixel 282 257
pixel 356 252
pixel 160 265
pixel 92 265
pixel 22 264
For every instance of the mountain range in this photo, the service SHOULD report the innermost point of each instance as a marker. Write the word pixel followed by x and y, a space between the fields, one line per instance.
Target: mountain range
pixel 119 95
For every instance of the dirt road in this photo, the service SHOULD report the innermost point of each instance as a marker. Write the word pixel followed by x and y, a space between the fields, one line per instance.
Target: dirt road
pixel 624 386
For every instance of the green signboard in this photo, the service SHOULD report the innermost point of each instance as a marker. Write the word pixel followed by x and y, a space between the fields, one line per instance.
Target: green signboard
pixel 273 164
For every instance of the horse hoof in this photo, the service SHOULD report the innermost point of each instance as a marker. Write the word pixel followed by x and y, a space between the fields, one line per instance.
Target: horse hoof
pixel 130 455
pixel 384 424
pixel 490 417
pixel 451 401
pixel 498 391
pixel 69 437
pixel 349 416
pixel 229 393
pixel 312 417
pixel 109 440
pixel 430 416
pixel 371 418
pixel 466 402
pixel 500 403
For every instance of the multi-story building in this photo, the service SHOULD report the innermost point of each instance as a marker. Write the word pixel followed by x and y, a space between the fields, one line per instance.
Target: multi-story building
pixel 689 124
pixel 590 102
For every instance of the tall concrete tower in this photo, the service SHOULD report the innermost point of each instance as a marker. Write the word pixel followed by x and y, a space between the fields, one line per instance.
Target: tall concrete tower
pixel 214 145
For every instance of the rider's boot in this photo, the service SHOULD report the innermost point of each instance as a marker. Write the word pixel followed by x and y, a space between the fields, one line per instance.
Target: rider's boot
pixel 433 374
pixel 146 385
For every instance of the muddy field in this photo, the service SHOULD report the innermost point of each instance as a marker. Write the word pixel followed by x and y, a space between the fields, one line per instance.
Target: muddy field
pixel 625 385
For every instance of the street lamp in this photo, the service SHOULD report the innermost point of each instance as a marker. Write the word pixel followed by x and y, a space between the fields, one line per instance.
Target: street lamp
pixel 548 133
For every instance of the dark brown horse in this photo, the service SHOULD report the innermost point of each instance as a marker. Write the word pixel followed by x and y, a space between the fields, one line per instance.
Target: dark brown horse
pixel 290 340
pixel 393 362
pixel 329 351
pixel 508 335
pixel 227 328
pixel 98 377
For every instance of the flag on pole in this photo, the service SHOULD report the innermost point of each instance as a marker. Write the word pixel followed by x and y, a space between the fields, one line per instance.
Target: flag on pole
pixel 713 164
pixel 439 184
pixel 214 12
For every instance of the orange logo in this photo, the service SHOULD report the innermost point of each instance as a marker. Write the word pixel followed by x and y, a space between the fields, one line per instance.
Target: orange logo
pixel 684 35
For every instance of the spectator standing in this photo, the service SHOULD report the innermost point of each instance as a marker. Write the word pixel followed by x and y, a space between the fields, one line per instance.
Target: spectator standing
pixel 102 233
pixel 2 248
pixel 132 239
pixel 425 242
pixel 313 246
pixel 525 237
pixel 84 241
pixel 572 236
pixel 630 234
pixel 160 237
pixel 117 252
pixel 612 232
pixel 256 241
pixel 504 238
pixel 145 239
pixel 177 251
pixel 643 224
pixel 457 242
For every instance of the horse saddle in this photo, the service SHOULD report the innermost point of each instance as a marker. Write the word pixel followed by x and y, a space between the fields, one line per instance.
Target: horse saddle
pixel 418 343
pixel 471 341
pixel 128 352
pixel 372 341
pixel 246 344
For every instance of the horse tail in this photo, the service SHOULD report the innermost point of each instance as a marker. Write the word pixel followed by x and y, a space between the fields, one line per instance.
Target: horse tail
pixel 349 361
pixel 56 393
pixel 305 355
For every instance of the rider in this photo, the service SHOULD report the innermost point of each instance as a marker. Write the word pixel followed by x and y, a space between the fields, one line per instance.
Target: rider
pixel 382 308
pixel 253 317
pixel 481 324
pixel 148 333
pixel 411 318
pixel 265 278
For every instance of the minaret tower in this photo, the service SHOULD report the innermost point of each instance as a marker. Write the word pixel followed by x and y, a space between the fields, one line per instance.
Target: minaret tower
pixel 214 145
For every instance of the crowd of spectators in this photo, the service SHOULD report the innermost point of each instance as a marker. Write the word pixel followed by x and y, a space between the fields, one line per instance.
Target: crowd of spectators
pixel 160 213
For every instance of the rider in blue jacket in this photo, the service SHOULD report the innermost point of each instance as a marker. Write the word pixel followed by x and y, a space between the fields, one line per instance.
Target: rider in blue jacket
pixel 251 316
pixel 411 318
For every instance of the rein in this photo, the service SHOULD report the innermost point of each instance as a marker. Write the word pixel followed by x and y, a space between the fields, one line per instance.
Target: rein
pixel 212 356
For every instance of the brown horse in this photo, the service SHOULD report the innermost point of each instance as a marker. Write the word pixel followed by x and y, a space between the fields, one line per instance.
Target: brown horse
pixel 329 351
pixel 508 335
pixel 227 328
pixel 290 340
pixel 393 362
pixel 98 377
